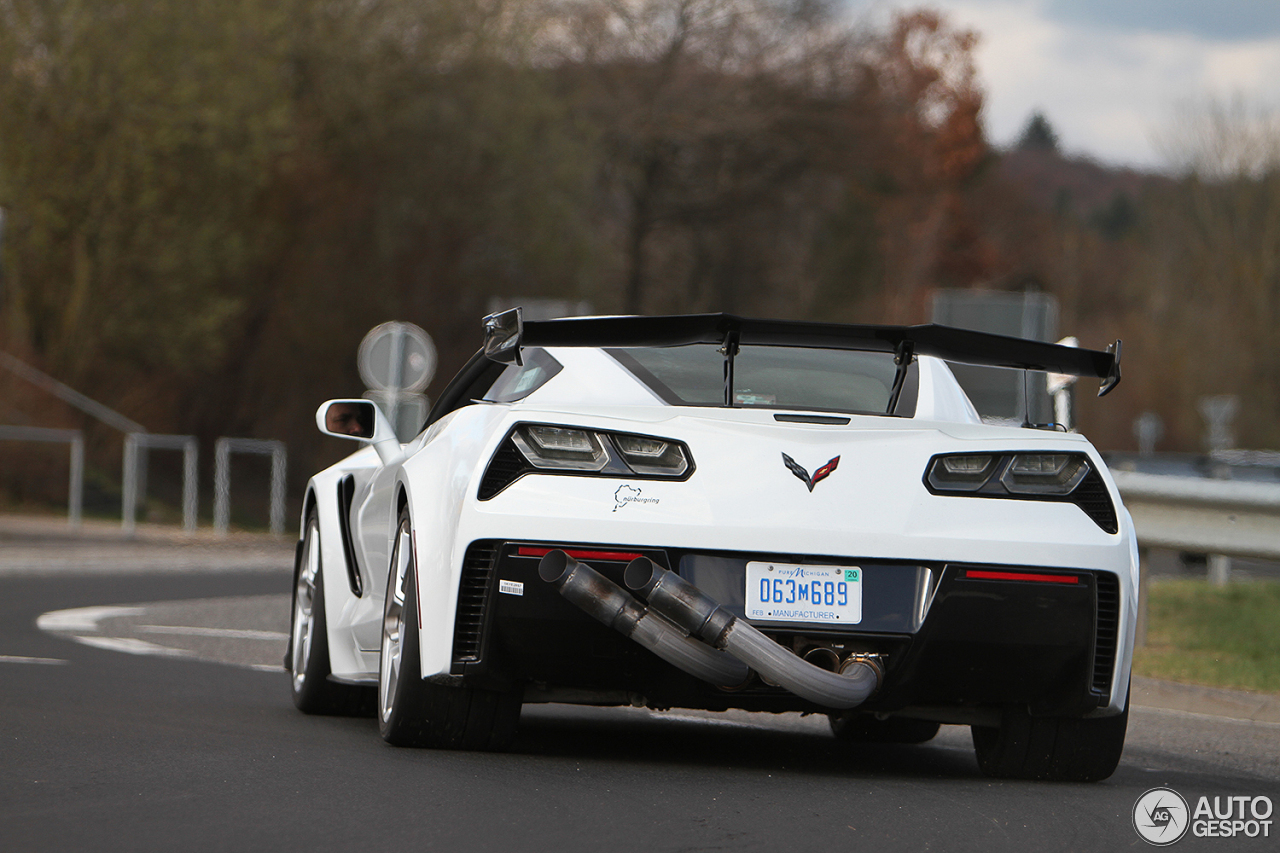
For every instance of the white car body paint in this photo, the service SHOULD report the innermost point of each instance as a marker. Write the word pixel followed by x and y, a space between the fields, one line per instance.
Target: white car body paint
pixel 740 498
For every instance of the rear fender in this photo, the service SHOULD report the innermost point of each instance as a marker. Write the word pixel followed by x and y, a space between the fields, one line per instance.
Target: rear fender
pixel 436 482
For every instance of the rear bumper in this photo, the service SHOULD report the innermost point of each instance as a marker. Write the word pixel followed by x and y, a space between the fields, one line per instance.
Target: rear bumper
pixel 958 640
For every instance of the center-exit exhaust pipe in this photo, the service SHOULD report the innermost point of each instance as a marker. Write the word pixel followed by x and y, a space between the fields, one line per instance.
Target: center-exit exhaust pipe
pixel 615 607
pixel 700 615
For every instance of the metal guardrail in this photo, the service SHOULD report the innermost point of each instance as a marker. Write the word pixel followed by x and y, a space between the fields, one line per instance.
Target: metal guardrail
pixel 1220 518
pixel 74 437
pixel 1227 517
pixel 69 395
pixel 134 485
pixel 137 442
pixel 222 450
pixel 133 490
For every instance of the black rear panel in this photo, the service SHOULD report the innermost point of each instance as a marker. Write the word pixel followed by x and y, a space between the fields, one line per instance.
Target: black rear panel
pixel 995 640
pixel 984 642
pixel 1108 627
pixel 1091 496
pixel 473 604
pixel 505 468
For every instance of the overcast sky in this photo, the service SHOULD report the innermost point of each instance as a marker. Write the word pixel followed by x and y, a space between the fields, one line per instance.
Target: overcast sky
pixel 1111 74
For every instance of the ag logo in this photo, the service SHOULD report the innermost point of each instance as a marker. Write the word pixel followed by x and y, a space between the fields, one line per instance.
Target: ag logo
pixel 1160 816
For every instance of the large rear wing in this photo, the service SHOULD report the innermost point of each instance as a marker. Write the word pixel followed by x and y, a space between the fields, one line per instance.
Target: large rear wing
pixel 506 333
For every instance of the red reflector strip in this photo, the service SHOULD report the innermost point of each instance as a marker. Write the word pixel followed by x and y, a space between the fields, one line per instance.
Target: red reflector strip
pixel 617 556
pixel 1019 576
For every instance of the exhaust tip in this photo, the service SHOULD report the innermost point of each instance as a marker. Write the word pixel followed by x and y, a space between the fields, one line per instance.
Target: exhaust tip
pixel 639 573
pixel 823 658
pixel 872 662
pixel 553 566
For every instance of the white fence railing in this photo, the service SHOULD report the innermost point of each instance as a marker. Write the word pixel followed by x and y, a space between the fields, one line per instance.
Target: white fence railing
pixel 134 486
pixel 75 498
pixel 222 450
pixel 137 443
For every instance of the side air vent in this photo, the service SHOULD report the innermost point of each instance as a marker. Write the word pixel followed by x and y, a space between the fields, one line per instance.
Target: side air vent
pixel 1091 496
pixel 1104 646
pixel 473 603
pixel 346 496
pixel 504 469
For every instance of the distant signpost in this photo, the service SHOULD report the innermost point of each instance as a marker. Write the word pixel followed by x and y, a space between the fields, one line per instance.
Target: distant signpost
pixel 1219 413
pixel 1149 429
pixel 397 361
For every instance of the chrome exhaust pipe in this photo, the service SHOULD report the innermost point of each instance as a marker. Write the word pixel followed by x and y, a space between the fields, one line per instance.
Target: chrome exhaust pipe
pixel 823 658
pixel 856 659
pixel 699 614
pixel 611 604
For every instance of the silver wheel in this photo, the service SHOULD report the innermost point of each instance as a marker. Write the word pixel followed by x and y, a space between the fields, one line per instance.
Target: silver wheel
pixel 304 601
pixel 415 712
pixel 393 632
pixel 308 653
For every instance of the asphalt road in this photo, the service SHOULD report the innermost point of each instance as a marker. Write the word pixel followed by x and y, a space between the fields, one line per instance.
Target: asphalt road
pixel 102 750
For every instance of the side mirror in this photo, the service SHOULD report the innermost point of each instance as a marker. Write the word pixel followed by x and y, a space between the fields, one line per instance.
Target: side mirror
pixel 502 334
pixel 360 420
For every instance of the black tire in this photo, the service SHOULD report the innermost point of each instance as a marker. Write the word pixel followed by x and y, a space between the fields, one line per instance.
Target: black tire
pixel 864 728
pixel 1060 749
pixel 308 656
pixel 419 713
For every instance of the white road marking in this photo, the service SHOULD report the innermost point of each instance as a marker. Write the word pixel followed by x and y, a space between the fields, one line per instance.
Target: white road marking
pixel 22 659
pixel 84 625
pixel 81 619
pixel 236 633
pixel 131 645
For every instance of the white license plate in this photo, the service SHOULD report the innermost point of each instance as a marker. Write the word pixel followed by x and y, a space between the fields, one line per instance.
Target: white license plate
pixel 789 592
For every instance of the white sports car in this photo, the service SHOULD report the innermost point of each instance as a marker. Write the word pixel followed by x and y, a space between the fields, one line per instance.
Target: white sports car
pixel 715 512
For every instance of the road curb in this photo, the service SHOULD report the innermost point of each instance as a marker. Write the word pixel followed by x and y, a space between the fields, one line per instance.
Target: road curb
pixel 1212 701
pixel 34 546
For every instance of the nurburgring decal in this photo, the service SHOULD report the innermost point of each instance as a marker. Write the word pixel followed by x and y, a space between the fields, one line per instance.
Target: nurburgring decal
pixel 629 495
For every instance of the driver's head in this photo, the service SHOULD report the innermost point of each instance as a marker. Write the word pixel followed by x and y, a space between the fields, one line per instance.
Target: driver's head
pixel 355 419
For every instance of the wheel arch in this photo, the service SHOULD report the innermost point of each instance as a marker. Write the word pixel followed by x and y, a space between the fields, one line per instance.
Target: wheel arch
pixel 308 504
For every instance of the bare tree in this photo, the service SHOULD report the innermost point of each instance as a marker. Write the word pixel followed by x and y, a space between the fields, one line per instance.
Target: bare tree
pixel 1215 258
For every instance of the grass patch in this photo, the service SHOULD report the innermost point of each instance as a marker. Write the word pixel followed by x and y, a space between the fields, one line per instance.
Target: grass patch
pixel 1216 636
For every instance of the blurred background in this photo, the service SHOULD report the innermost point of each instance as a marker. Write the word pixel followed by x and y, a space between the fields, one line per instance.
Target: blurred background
pixel 207 204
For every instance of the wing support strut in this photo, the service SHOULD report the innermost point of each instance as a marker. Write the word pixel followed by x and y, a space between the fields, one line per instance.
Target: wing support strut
pixel 729 350
pixel 902 356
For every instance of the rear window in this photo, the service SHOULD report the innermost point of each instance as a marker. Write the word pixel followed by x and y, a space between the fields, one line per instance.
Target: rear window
pixel 519 381
pixel 812 379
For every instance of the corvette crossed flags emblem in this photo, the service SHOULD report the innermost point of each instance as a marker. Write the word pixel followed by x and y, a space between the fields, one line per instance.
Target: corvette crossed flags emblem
pixel 818 476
